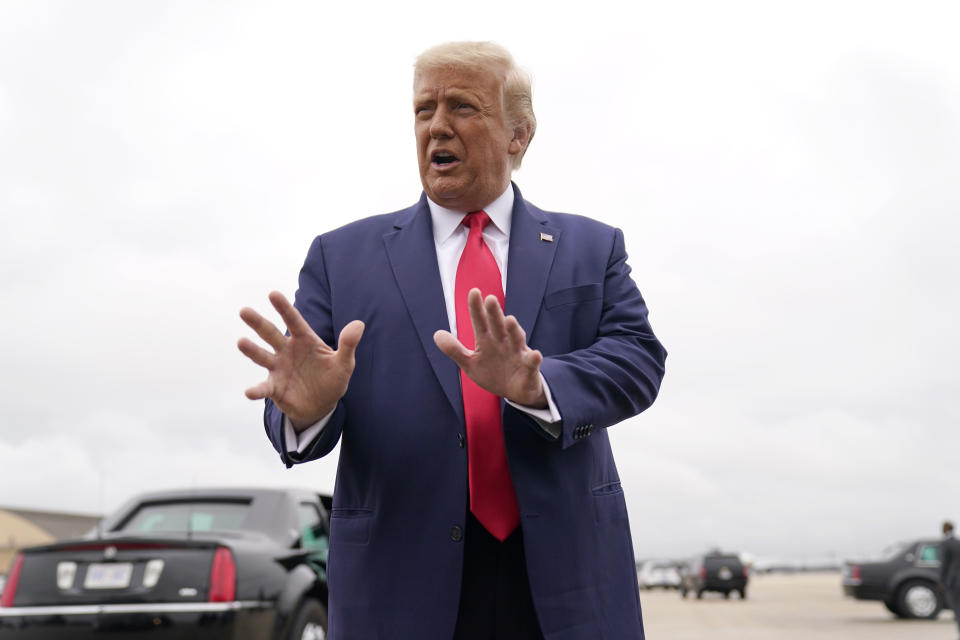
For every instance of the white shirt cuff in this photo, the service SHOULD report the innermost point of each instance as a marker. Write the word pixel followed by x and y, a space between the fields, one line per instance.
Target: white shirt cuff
pixel 548 418
pixel 299 442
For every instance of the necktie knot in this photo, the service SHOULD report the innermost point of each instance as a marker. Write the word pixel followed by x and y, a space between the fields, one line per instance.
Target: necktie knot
pixel 476 220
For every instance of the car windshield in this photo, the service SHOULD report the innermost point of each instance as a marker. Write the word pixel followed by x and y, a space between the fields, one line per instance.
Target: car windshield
pixel 717 561
pixel 892 551
pixel 188 516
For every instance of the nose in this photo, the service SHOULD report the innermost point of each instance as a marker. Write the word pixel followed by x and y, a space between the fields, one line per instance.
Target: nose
pixel 440 124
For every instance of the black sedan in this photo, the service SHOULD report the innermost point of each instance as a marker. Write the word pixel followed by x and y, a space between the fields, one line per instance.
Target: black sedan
pixel 200 563
pixel 905 580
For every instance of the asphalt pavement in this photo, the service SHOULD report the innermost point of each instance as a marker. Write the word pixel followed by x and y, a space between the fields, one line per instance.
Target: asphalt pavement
pixel 784 607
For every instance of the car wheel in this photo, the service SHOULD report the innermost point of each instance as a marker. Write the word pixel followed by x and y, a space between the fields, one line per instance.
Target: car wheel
pixel 683 593
pixel 919 599
pixel 726 595
pixel 310 623
pixel 743 594
pixel 699 593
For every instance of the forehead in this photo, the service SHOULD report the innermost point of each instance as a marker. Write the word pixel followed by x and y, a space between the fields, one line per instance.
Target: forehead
pixel 432 80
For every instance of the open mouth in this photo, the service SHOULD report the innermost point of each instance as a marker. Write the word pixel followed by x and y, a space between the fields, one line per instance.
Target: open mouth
pixel 443 159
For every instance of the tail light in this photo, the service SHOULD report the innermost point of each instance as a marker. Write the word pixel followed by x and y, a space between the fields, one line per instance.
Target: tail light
pixel 855 572
pixel 10 589
pixel 223 577
pixel 746 571
pixel 703 573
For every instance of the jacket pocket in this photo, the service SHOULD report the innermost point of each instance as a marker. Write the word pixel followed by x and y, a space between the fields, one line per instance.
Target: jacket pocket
pixel 573 295
pixel 350 526
pixel 609 504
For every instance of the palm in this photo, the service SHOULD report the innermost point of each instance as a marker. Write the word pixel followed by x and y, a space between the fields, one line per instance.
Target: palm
pixel 501 362
pixel 306 377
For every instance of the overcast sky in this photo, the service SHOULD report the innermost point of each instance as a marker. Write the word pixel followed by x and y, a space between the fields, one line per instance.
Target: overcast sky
pixel 787 176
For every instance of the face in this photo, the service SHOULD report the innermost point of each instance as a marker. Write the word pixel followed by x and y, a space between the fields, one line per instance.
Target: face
pixel 464 143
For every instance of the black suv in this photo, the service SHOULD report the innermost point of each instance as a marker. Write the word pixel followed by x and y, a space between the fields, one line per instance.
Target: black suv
pixel 714 571
pixel 905 579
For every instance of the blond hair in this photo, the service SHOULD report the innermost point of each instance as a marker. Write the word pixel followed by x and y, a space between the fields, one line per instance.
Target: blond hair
pixel 515 83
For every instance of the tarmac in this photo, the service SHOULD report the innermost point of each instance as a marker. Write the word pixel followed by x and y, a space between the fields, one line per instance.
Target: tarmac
pixel 800 606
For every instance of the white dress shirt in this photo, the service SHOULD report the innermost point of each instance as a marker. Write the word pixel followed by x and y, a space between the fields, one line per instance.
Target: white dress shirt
pixel 450 237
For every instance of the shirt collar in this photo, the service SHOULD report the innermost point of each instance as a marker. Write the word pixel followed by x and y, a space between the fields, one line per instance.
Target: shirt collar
pixel 446 221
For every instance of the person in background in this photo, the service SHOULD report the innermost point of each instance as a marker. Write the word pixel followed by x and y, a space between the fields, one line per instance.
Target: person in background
pixel 950 569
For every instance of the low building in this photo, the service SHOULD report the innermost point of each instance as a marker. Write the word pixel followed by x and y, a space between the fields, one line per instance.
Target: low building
pixel 25 527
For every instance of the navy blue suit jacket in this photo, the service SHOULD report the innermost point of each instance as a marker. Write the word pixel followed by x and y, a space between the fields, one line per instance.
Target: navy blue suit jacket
pixel 395 565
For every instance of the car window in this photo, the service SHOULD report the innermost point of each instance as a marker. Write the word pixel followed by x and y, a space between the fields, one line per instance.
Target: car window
pixel 313 535
pixel 927 555
pixel 188 516
pixel 727 561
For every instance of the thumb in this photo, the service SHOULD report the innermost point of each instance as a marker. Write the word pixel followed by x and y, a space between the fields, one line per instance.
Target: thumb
pixel 350 338
pixel 452 347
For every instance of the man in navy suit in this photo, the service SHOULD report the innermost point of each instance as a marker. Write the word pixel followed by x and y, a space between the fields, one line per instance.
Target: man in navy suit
pixel 483 348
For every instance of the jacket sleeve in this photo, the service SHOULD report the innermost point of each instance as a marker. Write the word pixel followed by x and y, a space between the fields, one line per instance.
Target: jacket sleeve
pixel 617 376
pixel 313 302
pixel 946 557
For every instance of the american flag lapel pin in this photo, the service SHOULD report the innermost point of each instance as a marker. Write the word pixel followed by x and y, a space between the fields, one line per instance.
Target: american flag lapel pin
pixel 546 237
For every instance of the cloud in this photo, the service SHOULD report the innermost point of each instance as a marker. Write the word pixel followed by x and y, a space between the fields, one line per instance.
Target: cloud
pixel 785 181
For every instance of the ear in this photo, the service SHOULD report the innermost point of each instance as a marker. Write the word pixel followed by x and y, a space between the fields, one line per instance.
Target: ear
pixel 521 137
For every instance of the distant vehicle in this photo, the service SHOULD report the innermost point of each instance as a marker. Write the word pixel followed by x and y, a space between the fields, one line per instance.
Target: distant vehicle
pixel 224 563
pixel 904 579
pixel 714 571
pixel 658 573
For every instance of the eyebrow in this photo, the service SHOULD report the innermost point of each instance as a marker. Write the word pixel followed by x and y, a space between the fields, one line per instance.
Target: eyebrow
pixel 450 94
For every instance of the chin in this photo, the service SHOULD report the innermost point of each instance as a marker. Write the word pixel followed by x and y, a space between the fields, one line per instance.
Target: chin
pixel 445 189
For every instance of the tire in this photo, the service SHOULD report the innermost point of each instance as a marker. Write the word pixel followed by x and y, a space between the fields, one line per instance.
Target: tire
pixel 683 592
pixel 919 599
pixel 699 594
pixel 743 594
pixel 310 623
pixel 726 595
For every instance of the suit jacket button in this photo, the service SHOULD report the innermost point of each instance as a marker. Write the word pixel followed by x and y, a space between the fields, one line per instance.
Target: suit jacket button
pixel 460 439
pixel 456 533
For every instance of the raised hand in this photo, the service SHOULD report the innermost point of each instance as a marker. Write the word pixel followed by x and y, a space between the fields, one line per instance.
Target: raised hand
pixel 501 363
pixel 306 378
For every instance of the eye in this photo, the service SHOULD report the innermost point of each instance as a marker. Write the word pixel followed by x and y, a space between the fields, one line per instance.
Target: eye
pixel 464 106
pixel 423 110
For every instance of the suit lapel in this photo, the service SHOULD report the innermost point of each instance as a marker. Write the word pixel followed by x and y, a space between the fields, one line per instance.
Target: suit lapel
pixel 413 257
pixel 529 260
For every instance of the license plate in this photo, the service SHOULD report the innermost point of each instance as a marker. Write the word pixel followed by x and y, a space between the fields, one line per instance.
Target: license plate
pixel 724 574
pixel 115 575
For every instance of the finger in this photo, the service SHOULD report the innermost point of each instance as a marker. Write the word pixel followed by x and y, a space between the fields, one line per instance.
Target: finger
pixel 256 353
pixel 349 339
pixel 515 334
pixel 495 319
pixel 452 348
pixel 532 359
pixel 264 328
pixel 296 325
pixel 259 392
pixel 478 317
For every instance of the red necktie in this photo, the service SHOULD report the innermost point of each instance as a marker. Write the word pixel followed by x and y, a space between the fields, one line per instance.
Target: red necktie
pixel 492 498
